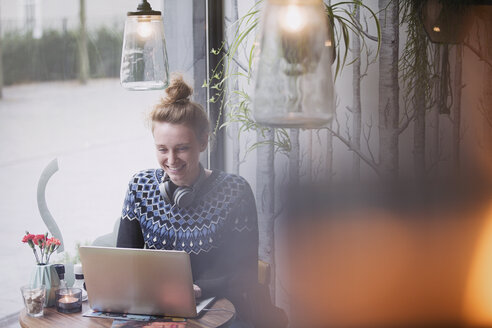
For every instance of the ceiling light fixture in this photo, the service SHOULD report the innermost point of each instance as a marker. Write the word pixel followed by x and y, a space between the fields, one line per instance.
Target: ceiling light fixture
pixel 293 77
pixel 144 64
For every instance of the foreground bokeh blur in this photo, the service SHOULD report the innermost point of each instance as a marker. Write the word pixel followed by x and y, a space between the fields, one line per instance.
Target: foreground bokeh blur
pixel 370 257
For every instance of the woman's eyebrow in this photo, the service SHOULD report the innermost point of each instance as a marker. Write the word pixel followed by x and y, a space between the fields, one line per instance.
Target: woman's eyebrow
pixel 178 145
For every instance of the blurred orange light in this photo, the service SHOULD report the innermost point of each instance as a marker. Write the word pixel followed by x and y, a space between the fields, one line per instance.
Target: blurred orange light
pixel 478 293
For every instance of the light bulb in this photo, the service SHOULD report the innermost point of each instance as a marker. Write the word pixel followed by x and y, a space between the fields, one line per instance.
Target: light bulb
pixel 296 26
pixel 436 29
pixel 144 29
pixel 293 21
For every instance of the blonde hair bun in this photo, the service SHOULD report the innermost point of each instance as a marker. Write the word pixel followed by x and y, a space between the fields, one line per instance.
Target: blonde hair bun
pixel 177 108
pixel 177 91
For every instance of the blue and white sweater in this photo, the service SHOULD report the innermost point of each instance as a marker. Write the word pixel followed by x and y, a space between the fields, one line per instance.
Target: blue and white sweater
pixel 219 230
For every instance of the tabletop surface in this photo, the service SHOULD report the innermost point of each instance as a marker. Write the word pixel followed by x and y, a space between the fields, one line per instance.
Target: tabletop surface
pixel 222 314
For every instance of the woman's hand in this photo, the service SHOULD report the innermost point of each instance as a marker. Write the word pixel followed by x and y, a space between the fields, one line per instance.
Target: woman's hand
pixel 197 290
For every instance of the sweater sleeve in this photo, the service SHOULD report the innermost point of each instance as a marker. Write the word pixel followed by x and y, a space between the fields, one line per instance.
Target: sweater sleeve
pixel 236 262
pixel 130 232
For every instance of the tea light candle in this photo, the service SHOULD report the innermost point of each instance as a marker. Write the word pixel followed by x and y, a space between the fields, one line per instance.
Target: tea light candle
pixel 69 300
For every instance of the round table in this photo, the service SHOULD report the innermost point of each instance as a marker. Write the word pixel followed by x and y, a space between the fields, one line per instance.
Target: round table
pixel 223 314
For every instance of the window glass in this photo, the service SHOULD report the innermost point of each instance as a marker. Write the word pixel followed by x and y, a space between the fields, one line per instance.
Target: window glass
pixel 97 131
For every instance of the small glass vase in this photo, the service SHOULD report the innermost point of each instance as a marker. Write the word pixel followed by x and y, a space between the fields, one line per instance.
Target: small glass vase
pixel 34 299
pixel 45 274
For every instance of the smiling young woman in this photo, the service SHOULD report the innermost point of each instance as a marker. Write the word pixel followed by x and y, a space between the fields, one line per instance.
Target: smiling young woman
pixel 178 150
pixel 182 206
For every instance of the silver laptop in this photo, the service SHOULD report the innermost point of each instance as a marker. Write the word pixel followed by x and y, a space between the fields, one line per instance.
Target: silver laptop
pixel 140 281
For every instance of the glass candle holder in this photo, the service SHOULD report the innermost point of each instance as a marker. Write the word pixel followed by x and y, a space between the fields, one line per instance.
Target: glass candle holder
pixel 34 297
pixel 69 300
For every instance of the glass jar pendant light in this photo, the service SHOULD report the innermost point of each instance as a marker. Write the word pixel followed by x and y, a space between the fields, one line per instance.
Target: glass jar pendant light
pixel 144 63
pixel 293 77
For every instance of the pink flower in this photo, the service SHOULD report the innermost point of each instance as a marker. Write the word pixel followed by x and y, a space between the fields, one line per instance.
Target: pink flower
pixel 28 237
pixel 53 241
pixel 46 246
pixel 52 244
pixel 39 240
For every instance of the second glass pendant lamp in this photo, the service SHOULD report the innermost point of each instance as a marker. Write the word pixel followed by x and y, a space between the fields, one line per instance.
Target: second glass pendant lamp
pixel 293 76
pixel 144 64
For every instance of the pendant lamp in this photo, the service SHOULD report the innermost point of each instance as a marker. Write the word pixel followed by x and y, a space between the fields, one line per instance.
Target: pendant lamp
pixel 144 63
pixel 293 77
pixel 446 21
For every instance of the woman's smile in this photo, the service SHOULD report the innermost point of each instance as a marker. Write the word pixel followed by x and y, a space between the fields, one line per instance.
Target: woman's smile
pixel 174 169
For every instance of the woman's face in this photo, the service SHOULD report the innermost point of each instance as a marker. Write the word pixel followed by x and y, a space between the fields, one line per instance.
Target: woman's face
pixel 178 150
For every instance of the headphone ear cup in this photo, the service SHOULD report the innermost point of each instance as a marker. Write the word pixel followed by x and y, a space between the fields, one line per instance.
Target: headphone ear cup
pixel 165 190
pixel 181 196
pixel 184 196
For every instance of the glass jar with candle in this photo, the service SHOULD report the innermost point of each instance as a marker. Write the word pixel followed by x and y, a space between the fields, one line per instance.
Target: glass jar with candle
pixel 69 300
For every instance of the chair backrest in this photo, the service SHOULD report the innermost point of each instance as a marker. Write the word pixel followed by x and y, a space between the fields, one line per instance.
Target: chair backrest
pixel 108 240
pixel 263 272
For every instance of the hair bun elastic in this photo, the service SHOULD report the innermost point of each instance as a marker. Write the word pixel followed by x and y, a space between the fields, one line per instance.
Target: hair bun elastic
pixel 182 101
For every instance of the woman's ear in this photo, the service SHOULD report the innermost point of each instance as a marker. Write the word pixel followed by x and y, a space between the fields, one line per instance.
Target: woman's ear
pixel 203 143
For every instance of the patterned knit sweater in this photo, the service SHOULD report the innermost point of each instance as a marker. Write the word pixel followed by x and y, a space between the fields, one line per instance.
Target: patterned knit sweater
pixel 219 230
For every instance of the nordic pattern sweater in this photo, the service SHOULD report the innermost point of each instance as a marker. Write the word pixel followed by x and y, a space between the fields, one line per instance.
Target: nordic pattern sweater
pixel 219 230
